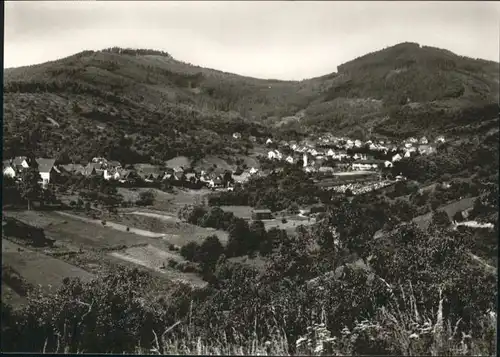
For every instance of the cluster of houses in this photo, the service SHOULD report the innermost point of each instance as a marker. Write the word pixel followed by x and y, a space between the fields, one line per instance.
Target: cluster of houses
pixel 13 168
pixel 314 152
pixel 113 170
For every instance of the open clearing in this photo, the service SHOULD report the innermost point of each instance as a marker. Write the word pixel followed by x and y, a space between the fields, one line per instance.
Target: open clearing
pixel 244 212
pixel 117 226
pixel 173 230
pixel 451 209
pixel 154 258
pixel 75 231
pixel 290 226
pixel 38 268
pixel 167 202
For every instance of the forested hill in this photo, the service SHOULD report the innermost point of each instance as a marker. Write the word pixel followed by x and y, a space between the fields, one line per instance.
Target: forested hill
pixel 144 105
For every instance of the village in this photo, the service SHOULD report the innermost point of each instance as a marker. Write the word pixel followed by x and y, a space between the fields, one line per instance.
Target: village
pixel 337 163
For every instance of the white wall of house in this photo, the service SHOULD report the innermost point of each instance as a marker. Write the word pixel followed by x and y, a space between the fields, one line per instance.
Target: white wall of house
pixel 45 178
pixel 9 171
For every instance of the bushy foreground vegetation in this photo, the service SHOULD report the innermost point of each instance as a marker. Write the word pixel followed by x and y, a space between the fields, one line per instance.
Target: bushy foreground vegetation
pixel 324 291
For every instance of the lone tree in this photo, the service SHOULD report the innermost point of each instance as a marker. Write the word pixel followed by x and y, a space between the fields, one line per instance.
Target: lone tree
pixel 30 185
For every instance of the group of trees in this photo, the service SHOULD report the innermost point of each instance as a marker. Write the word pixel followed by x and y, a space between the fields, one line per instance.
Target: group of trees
pixel 277 191
pixel 244 238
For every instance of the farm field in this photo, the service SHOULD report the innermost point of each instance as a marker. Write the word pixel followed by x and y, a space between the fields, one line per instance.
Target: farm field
pixel 173 230
pixel 153 259
pixel 39 268
pixel 290 226
pixel 451 209
pixel 67 229
pixel 167 202
pixel 244 212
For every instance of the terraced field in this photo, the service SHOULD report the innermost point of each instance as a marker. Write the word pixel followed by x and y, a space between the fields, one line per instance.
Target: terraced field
pixel 40 269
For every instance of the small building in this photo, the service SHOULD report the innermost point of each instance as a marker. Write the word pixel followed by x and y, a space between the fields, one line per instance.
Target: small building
pixel 111 174
pixel 8 170
pixel 262 214
pixel 253 170
pixel 440 139
pixel 289 159
pixel 20 162
pixel 269 141
pixel 423 140
pixel 93 169
pixel 47 169
pixel 396 158
pixel 73 169
pixel 236 135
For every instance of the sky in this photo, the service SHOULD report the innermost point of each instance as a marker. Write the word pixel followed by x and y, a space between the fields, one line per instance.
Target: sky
pixel 288 40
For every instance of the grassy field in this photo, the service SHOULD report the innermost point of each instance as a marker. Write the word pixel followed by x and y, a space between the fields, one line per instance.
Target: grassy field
pixel 244 212
pixel 451 209
pixel 167 202
pixel 74 231
pixel 39 268
pixel 175 231
pixel 156 259
pixel 178 162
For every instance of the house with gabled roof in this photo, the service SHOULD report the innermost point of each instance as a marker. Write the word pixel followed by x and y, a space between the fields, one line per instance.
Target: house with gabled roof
pixel 93 169
pixel 8 170
pixel 21 162
pixel 74 169
pixel 47 169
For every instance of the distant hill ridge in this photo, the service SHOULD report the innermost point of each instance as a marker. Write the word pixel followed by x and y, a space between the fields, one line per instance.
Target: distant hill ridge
pixel 166 107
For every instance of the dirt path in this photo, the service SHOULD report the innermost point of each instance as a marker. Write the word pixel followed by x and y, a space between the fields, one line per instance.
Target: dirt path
pixel 164 217
pixel 116 226
pixel 474 224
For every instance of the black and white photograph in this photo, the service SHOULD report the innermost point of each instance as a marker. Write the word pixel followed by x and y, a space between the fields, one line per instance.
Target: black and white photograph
pixel 287 178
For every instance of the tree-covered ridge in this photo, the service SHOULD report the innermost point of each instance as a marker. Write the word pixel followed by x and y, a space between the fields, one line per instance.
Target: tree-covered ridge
pixel 402 90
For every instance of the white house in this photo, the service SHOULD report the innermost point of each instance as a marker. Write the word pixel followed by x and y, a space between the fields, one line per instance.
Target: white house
pixel 46 168
pixel 408 145
pixel 440 139
pixel 304 159
pixel 412 140
pixel 289 159
pixel 407 154
pixel 358 143
pixel 111 174
pixel 236 135
pixel 423 140
pixel 20 161
pixel 330 153
pixel 396 157
pixel 8 170
pixel 271 155
pixel 269 141
pixel 253 170
pixel 313 152
pixel 363 166
pixel 388 164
